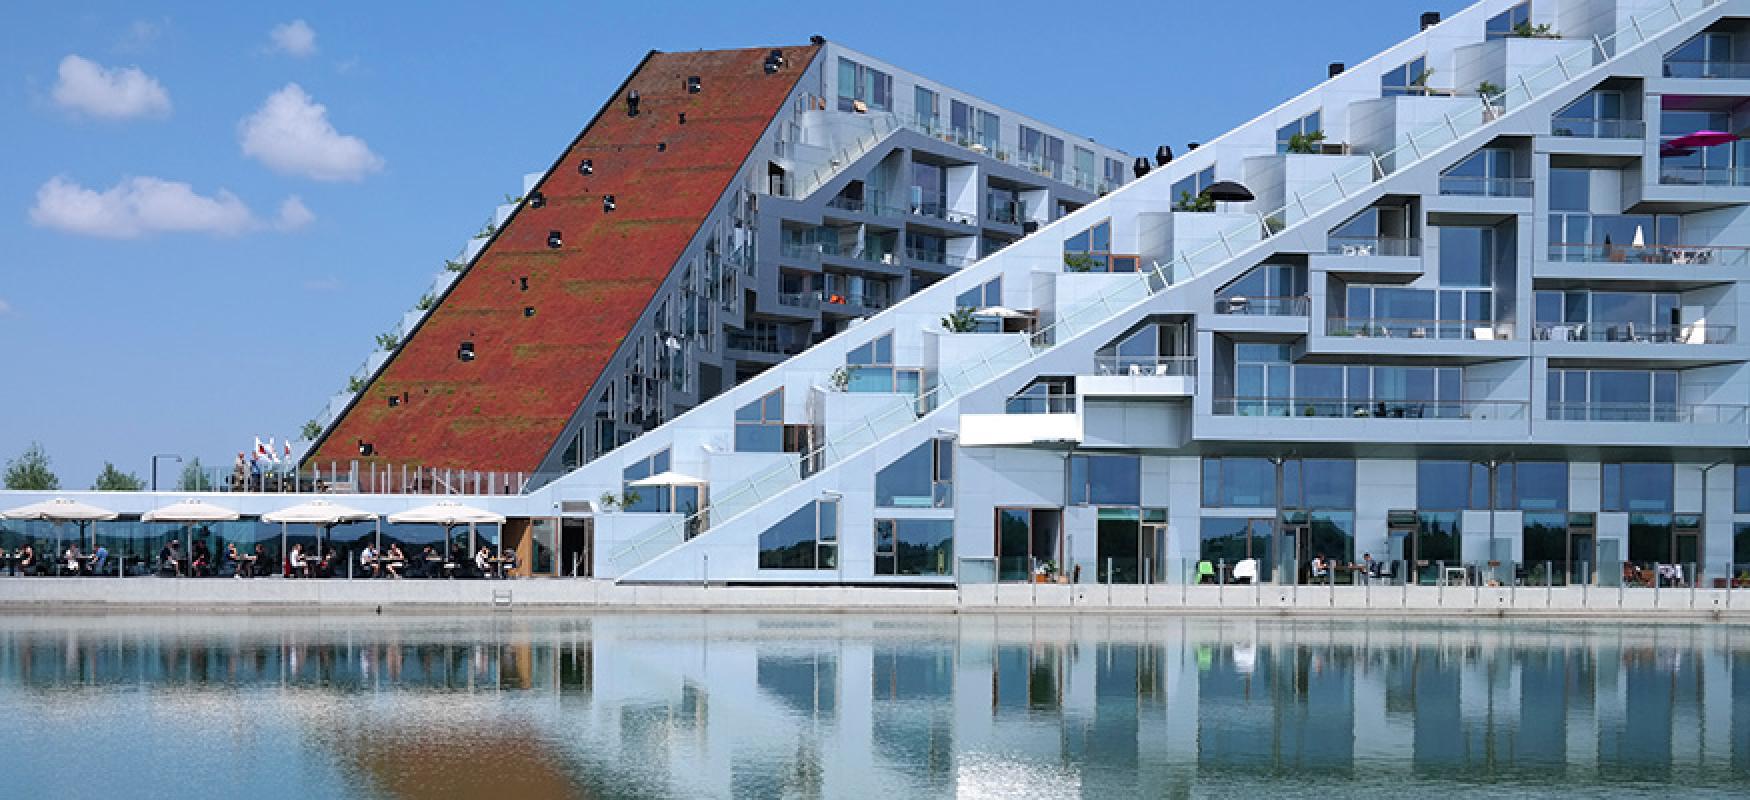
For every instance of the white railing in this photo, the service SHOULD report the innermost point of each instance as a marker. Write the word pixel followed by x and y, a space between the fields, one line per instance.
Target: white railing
pixel 1418 147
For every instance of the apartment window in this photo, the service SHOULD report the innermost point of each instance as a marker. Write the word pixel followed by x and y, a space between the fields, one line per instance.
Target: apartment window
pixel 1114 173
pixel 990 133
pixel 1304 127
pixel 1707 55
pixel 1315 483
pixel 1570 189
pixel 1239 483
pixel 1085 175
pixel 1504 24
pixel 1105 480
pixel 914 547
pixel 1467 256
pixel 1411 78
pixel 646 500
pixel 1047 395
pixel 807 539
pixel 1610 395
pixel 1609 316
pixel 1267 289
pixel 1597 114
pixel 858 83
pixel 759 425
pixel 1027 539
pixel 1532 485
pixel 923 478
pixel 1741 486
pixel 927 107
pixel 985 295
pixel 1489 172
pixel 961 121
pixel 1451 485
pixel 1188 189
pixel 1090 250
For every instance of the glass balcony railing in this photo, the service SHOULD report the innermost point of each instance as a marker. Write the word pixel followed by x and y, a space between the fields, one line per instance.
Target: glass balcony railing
pixel 1587 128
pixel 1673 175
pixel 1474 186
pixel 933 257
pixel 1373 246
pixel 1704 413
pixel 1674 254
pixel 1633 333
pixel 1732 70
pixel 751 343
pixel 1146 366
pixel 1327 407
pixel 1006 216
pixel 1041 404
pixel 799 299
pixel 865 300
pixel 1249 306
pixel 1480 330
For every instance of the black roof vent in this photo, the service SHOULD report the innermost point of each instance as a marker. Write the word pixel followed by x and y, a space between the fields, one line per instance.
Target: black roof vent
pixel 1430 19
pixel 693 84
pixel 1163 155
pixel 555 240
pixel 366 448
pixel 1336 68
pixel 662 147
pixel 586 167
pixel 1191 145
pixel 528 311
pixel 465 352
pixel 537 200
pixel 817 40
pixel 394 400
pixel 683 117
pixel 1140 167
pixel 632 103
pixel 774 61
pixel 524 281
pixel 608 203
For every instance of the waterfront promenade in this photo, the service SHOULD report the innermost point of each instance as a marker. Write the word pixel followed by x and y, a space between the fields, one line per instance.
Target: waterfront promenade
pixel 72 594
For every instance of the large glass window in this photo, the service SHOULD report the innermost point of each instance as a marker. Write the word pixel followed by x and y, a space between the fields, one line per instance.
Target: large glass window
pixel 862 84
pixel 759 425
pixel 926 105
pixel 1638 486
pixel 643 499
pixel 1091 250
pixel 1490 172
pixel 1741 485
pixel 1597 114
pixel 1318 483
pixel 807 539
pixel 1239 483
pixel 1187 192
pixel 1029 542
pixel 1105 480
pixel 1467 256
pixel 1303 128
pixel 1536 485
pixel 1451 485
pixel 914 547
pixel 1411 78
pixel 923 478
pixel 1613 395
pixel 1509 22
pixel 1570 189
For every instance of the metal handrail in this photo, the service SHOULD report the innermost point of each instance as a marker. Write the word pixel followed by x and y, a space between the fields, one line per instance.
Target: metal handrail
pixel 1693 255
pixel 997 362
pixel 1367 408
pixel 1705 413
pixel 1633 333
pixel 1485 330
pixel 1146 366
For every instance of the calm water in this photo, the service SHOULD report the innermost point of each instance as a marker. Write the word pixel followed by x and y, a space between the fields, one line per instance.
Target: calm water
pixel 634 705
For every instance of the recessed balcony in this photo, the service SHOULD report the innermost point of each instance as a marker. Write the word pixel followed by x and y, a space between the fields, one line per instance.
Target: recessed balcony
pixel 1594 128
pixel 1480 330
pixel 1630 333
pixel 1363 408
pixel 1686 413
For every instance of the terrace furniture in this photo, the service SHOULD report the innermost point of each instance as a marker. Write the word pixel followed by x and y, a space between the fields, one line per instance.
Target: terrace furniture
pixel 1454 576
pixel 1205 572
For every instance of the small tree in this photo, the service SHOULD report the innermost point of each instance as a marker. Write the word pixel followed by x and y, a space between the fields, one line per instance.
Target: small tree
pixel 311 430
pixel 30 470
pixel 486 230
pixel 426 302
pixel 194 477
pixel 1202 202
pixel 1079 262
pixel 355 384
pixel 454 266
pixel 960 321
pixel 1306 143
pixel 388 341
pixel 1487 90
pixel 114 480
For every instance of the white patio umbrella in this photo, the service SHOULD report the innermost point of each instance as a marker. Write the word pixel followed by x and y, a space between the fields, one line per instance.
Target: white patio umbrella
pixel 1003 312
pixel 321 513
pixel 670 478
pixel 449 514
pixel 190 510
pixel 1640 241
pixel 61 510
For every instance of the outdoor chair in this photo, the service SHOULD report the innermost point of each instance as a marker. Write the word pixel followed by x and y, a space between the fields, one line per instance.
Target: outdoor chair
pixel 1205 572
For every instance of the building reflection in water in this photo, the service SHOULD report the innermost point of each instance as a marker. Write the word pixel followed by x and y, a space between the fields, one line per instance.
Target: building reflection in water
pixel 724 705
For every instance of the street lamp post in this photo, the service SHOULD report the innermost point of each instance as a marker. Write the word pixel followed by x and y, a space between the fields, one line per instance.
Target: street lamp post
pixel 155 466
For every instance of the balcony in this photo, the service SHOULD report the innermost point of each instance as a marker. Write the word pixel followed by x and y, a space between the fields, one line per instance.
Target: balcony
pixel 1037 404
pixel 1474 186
pixel 848 302
pixel 933 257
pixel 1481 330
pixel 1631 333
pixel 1678 255
pixel 1388 246
pixel 1589 128
pixel 1708 70
pixel 1003 216
pixel 1334 408
pixel 765 345
pixel 1703 176
pixel 857 206
pixel 1151 366
pixel 799 299
pixel 1688 413
pixel 1243 306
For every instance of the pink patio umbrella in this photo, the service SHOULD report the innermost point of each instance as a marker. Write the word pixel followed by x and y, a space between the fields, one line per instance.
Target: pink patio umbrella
pixel 1686 144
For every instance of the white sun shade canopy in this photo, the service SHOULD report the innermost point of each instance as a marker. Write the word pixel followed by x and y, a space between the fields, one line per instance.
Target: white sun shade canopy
pixel 59 509
pixel 190 511
pixel 446 512
pixel 317 512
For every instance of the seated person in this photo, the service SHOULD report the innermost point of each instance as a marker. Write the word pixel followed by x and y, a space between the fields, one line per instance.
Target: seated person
pixel 397 560
pixel 299 568
pixel 71 556
pixel 1320 567
pixel 483 561
pixel 368 561
pixel 99 560
pixel 201 560
pixel 234 559
pixel 507 562
pixel 27 559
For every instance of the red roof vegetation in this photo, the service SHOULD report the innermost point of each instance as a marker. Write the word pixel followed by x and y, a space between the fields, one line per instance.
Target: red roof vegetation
pixel 505 409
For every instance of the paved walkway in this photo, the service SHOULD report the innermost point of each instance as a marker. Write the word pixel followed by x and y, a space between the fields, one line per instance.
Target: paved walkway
pixel 38 594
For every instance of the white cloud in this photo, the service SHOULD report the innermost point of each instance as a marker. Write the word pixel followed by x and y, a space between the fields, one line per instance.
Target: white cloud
pixel 295 38
pixel 141 35
pixel 5 307
pixel 113 93
pixel 291 134
pixel 293 215
pixel 139 206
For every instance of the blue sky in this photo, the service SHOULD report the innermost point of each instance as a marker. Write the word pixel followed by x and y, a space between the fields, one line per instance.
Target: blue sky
pixel 211 209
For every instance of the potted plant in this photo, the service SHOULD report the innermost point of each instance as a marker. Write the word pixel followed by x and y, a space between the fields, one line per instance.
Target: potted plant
pixel 1526 30
pixel 1306 143
pixel 1421 81
pixel 960 321
pixel 840 379
pixel 1045 572
pixel 1487 90
pixel 1079 262
pixel 1202 202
